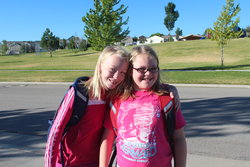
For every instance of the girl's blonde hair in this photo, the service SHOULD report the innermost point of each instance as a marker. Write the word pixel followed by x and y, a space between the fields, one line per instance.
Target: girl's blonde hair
pixel 156 88
pixel 95 84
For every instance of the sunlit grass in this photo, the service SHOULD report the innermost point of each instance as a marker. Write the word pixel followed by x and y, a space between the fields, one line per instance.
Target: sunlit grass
pixel 184 55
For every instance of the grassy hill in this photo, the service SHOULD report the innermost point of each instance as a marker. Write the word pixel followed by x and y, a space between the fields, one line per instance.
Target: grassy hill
pixel 185 55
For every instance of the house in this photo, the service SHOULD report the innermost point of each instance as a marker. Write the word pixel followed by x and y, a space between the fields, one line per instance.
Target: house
pixel 174 37
pixel 18 47
pixel 191 37
pixel 154 39
pixel 127 41
pixel 14 48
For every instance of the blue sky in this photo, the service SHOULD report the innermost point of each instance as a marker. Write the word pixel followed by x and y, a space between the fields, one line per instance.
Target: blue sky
pixel 26 20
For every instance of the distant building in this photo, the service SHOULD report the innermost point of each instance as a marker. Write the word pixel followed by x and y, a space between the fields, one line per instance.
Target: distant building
pixel 16 47
pixel 127 41
pixel 191 37
pixel 154 39
pixel 174 37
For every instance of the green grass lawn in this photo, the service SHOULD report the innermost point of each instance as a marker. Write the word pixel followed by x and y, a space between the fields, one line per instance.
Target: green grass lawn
pixel 184 55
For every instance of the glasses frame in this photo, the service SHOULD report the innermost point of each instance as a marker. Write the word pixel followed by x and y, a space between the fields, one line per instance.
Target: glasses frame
pixel 143 70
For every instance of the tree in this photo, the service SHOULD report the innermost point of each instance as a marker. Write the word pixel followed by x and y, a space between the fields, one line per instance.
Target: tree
pixel 83 45
pixel 63 44
pixel 157 34
pixel 49 41
pixel 135 39
pixel 72 43
pixel 178 33
pixel 248 31
pixel 4 47
pixel 172 16
pixel 142 39
pixel 207 33
pixel 103 24
pixel 224 27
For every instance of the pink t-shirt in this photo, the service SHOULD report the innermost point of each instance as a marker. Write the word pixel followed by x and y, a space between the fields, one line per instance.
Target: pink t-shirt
pixel 141 139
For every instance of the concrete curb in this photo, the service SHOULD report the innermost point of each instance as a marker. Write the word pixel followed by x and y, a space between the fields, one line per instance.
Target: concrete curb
pixel 213 85
pixel 178 85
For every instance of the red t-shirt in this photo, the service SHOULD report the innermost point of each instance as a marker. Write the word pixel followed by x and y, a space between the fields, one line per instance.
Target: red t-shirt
pixel 81 142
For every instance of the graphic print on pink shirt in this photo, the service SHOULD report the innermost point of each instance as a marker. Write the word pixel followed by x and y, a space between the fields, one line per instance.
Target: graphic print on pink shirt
pixel 137 122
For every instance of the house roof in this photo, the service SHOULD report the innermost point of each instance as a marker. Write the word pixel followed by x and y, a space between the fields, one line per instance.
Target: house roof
pixel 155 36
pixel 192 37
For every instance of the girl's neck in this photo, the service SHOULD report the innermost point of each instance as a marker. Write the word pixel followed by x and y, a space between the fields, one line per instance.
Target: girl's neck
pixel 142 89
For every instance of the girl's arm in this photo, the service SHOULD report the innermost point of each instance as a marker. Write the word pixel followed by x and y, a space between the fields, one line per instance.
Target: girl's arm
pixel 106 147
pixel 180 148
pixel 55 136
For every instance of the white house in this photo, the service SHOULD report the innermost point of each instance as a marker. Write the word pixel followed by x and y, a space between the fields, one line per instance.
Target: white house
pixel 154 39
pixel 174 37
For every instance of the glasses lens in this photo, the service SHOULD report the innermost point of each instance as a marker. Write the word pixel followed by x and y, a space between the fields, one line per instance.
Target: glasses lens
pixel 153 70
pixel 144 70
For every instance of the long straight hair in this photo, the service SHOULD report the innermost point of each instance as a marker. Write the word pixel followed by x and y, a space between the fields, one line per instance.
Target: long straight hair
pixel 95 84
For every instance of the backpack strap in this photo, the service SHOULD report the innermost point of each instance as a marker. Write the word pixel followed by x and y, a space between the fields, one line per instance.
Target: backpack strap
pixel 168 110
pixel 80 101
pixel 114 113
pixel 113 117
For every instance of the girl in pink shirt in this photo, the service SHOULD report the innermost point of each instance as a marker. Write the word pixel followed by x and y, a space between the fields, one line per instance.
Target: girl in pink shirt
pixel 141 139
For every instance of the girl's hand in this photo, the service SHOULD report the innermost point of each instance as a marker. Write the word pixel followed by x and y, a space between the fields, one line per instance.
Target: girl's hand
pixel 174 94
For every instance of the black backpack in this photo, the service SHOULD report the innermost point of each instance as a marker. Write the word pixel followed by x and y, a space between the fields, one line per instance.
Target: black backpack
pixel 79 105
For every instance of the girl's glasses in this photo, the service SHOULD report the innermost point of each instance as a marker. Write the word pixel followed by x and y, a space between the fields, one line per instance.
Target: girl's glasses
pixel 143 70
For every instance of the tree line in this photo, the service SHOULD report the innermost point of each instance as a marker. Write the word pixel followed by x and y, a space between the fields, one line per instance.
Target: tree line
pixel 104 26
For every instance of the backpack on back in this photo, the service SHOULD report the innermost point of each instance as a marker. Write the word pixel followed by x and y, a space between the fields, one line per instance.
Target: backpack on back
pixel 79 105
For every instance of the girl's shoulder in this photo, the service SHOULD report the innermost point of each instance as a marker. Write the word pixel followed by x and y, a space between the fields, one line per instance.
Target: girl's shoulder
pixel 169 88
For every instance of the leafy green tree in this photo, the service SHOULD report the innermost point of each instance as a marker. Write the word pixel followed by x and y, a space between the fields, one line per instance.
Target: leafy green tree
pixel 49 41
pixel 224 27
pixel 135 39
pixel 24 48
pixel 207 33
pixel 72 43
pixel 3 47
pixel 142 39
pixel 27 48
pixel 103 24
pixel 63 44
pixel 1 51
pixel 157 34
pixel 171 16
pixel 178 33
pixel 83 45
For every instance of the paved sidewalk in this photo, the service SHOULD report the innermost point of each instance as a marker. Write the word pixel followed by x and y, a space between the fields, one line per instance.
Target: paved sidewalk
pixel 203 161
pixel 23 121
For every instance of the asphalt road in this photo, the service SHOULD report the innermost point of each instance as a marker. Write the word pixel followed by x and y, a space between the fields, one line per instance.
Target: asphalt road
pixel 217 131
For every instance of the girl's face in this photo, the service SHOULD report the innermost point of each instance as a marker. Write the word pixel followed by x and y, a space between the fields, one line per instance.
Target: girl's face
pixel 113 70
pixel 145 71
